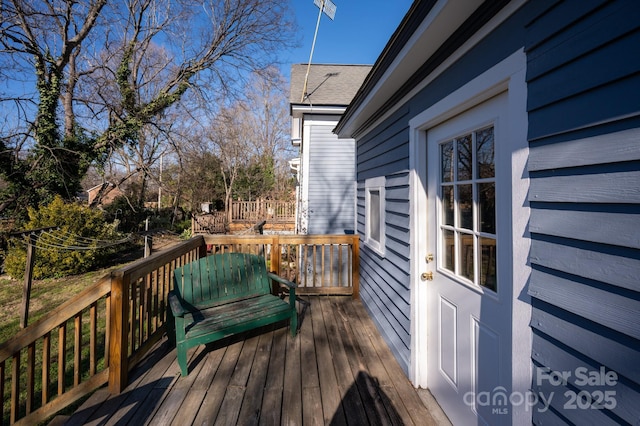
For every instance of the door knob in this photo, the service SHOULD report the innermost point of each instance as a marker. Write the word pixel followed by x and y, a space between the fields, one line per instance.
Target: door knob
pixel 426 276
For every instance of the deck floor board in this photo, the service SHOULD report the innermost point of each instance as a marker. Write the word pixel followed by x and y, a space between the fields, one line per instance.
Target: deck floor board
pixel 338 370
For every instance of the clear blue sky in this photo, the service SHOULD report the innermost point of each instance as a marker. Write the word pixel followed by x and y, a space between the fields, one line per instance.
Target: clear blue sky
pixel 357 35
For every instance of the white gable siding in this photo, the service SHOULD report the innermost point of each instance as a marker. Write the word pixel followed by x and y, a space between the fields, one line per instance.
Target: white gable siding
pixel 331 176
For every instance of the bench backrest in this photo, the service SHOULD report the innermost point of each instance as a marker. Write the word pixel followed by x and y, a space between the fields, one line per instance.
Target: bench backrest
pixel 221 278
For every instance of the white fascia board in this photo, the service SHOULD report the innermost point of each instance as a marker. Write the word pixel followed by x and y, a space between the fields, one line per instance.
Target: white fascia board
pixel 420 47
pixel 300 110
pixel 441 21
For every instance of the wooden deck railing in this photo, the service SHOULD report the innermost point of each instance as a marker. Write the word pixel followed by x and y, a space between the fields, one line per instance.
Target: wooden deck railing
pixel 65 352
pixel 319 264
pixel 100 334
pixel 139 305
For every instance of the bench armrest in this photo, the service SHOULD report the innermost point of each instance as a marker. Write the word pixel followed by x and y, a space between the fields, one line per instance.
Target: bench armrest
pixel 292 299
pixel 281 280
pixel 176 307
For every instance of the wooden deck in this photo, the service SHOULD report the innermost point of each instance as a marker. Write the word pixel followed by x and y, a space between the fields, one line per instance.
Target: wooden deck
pixel 336 371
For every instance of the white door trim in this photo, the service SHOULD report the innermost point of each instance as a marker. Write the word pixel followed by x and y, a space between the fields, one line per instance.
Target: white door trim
pixel 508 75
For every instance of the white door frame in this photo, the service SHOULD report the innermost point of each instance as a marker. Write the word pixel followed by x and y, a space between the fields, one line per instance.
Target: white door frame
pixel 507 76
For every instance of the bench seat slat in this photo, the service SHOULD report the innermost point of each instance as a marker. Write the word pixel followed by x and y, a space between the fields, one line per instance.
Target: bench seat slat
pixel 240 312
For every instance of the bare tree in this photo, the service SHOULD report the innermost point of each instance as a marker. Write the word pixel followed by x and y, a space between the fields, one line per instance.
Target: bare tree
pixel 122 86
pixel 229 136
pixel 205 45
pixel 268 110
pixel 38 41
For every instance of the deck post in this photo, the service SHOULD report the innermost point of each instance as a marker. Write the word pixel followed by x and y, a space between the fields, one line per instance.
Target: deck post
pixel 275 261
pixel 202 249
pixel 118 326
pixel 355 265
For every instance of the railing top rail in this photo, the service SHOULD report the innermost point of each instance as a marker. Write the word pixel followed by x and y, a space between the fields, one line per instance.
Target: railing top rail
pixel 319 239
pixel 283 239
pixel 143 266
pixel 238 239
pixel 57 316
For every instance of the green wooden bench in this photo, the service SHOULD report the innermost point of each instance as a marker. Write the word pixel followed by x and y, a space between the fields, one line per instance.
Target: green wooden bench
pixel 225 294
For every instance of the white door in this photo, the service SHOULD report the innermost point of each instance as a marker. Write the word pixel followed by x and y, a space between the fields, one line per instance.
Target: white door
pixel 469 308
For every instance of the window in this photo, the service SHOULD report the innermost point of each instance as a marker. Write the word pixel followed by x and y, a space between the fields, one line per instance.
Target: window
pixel 467 217
pixel 374 214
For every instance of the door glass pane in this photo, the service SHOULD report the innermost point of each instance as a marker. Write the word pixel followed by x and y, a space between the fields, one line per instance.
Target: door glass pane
pixel 485 167
pixel 468 207
pixel 466 255
pixel 448 245
pixel 446 161
pixel 465 206
pixel 465 157
pixel 487 207
pixel 488 275
pixel 447 205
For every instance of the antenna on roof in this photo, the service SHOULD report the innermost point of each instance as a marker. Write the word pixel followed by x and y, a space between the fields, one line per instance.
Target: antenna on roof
pixel 329 9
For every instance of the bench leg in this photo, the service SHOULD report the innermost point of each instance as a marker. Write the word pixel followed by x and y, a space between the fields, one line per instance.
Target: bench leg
pixel 181 349
pixel 293 323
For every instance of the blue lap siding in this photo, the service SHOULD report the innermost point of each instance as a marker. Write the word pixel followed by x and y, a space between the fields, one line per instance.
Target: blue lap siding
pixel 583 106
pixel 583 76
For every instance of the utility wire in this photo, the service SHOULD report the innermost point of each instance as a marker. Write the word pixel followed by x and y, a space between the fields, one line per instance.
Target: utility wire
pixel 85 241
pixel 72 242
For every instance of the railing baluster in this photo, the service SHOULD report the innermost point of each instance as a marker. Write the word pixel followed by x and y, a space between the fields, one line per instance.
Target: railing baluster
pixel 31 376
pixel 314 259
pixel 340 265
pixel 93 337
pixel 305 260
pixel 46 367
pixel 15 387
pixel 144 308
pixel 331 281
pixel 155 290
pixel 2 383
pixel 77 349
pixel 62 356
pixel 107 330
pixel 166 287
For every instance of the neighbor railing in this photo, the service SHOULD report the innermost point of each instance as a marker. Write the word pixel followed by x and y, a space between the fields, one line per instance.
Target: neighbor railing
pixel 100 334
pixel 209 223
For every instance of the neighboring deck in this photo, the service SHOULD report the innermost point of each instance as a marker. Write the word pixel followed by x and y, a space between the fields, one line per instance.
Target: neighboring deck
pixel 336 371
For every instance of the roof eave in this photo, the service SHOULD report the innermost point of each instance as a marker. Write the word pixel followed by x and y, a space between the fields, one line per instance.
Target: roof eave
pixel 424 28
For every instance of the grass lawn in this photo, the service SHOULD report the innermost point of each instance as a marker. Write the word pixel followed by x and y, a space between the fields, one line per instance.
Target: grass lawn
pixel 46 295
pixel 49 293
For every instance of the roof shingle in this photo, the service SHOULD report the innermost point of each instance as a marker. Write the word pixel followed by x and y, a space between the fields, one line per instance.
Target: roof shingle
pixel 327 84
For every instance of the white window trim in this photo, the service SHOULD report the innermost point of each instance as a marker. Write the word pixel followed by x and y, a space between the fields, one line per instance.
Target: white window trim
pixel 377 184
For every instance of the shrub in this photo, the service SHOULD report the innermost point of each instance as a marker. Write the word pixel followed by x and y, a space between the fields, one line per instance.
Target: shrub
pixel 81 242
pixel 128 219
